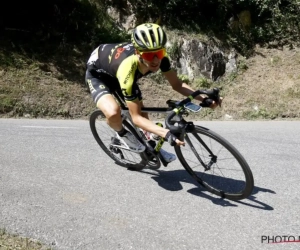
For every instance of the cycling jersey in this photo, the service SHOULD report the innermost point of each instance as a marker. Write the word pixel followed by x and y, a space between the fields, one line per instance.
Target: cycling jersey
pixel 120 63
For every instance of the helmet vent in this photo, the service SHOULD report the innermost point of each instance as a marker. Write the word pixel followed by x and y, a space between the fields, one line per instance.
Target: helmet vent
pixel 152 37
pixel 159 36
pixel 144 35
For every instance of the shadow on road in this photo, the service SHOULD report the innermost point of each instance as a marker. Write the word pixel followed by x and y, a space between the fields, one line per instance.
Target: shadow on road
pixel 171 180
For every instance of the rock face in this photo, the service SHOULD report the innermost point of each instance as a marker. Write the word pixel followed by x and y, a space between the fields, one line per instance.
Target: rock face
pixel 122 19
pixel 195 59
pixel 191 57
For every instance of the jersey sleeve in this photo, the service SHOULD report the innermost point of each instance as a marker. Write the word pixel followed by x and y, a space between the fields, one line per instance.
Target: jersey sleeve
pixel 126 76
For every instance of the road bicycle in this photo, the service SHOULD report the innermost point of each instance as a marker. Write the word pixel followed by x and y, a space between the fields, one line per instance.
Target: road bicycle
pixel 211 160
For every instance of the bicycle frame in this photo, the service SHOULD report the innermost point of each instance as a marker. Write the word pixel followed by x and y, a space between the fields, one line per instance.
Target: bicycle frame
pixel 144 109
pixel 125 115
pixel 179 130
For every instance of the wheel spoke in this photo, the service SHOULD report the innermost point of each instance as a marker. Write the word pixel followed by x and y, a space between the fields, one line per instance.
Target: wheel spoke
pixel 103 133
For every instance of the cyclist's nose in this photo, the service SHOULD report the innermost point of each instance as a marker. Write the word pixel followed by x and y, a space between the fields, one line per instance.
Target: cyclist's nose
pixel 155 59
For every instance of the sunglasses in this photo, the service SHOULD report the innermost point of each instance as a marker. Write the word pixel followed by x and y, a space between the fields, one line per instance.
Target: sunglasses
pixel 149 56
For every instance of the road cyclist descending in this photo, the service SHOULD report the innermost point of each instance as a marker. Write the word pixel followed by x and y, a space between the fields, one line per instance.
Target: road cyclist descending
pixel 116 67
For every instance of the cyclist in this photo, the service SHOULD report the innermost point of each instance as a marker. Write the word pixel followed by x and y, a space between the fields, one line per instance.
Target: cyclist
pixel 117 67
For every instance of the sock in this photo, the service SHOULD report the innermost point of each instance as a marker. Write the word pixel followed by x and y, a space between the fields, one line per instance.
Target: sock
pixel 122 132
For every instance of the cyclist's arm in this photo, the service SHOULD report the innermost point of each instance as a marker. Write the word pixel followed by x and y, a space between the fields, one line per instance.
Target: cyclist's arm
pixel 142 122
pixel 178 85
pixel 125 75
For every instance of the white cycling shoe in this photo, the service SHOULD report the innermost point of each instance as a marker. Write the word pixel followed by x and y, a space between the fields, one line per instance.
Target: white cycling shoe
pixel 128 141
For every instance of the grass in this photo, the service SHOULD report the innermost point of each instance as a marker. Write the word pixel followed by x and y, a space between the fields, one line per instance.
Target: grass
pixel 270 80
pixel 38 94
pixel 15 242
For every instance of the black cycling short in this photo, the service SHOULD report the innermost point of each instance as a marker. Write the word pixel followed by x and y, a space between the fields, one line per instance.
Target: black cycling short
pixel 101 84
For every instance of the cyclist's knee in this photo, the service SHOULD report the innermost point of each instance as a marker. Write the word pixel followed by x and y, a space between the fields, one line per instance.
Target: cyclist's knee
pixel 110 108
pixel 113 115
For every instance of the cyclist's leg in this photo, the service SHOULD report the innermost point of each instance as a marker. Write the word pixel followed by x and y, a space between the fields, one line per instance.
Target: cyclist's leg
pixel 101 95
pixel 108 105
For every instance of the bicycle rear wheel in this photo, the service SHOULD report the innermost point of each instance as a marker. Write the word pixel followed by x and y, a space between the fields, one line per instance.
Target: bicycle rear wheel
pixel 228 176
pixel 104 134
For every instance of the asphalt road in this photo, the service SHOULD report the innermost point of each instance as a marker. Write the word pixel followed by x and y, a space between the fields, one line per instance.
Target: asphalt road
pixel 57 186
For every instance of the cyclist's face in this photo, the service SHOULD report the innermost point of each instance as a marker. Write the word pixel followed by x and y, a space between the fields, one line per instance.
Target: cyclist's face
pixel 152 59
pixel 153 65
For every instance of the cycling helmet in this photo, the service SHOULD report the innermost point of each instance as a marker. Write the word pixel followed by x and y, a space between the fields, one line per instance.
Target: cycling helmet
pixel 148 36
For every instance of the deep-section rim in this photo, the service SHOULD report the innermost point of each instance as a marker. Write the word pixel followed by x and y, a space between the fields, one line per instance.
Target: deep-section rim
pixel 237 155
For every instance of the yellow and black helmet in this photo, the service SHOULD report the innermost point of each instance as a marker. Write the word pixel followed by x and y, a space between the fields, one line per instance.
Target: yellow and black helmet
pixel 148 36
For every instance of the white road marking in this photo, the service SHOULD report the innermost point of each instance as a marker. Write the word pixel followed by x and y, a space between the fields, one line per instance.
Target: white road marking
pixel 48 127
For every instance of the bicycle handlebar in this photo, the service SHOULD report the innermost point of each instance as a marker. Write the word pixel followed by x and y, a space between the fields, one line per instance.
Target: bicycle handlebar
pixel 211 93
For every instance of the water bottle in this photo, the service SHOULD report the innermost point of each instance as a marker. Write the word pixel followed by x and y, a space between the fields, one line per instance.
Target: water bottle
pixel 150 136
pixel 154 136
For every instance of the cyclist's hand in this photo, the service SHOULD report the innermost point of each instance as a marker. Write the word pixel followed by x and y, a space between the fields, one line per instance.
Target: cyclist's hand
pixel 207 102
pixel 216 103
pixel 173 140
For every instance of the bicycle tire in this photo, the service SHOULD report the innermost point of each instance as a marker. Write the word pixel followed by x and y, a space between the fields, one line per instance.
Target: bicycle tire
pixel 239 183
pixel 103 134
pixel 131 160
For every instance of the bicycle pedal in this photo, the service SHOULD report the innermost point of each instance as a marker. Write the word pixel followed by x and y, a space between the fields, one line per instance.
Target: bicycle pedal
pixel 115 141
pixel 153 160
pixel 116 150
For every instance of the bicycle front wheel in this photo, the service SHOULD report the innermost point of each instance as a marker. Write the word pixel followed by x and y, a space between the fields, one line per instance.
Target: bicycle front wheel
pixel 216 164
pixel 104 135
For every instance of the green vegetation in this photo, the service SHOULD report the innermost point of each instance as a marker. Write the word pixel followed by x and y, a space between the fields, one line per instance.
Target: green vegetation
pixel 203 83
pixel 73 27
pixel 43 54
pixel 14 242
pixel 239 23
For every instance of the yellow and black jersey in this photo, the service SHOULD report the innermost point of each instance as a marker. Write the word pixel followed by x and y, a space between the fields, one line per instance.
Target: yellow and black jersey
pixel 119 62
